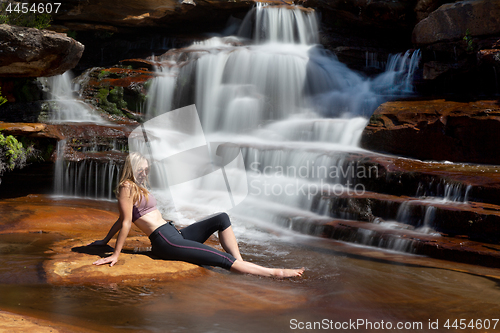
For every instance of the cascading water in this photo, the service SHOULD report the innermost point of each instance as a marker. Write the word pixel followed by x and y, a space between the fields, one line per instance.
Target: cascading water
pixel 286 101
pixel 66 108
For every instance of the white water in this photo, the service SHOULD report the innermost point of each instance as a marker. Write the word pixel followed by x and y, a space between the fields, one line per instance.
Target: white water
pixel 284 99
pixel 68 108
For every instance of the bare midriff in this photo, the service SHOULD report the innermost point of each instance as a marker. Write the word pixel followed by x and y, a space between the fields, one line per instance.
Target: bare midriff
pixel 150 222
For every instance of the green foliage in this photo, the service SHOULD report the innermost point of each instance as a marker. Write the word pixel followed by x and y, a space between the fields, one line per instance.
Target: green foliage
pixel 13 154
pixel 110 101
pixel 103 74
pixel 3 100
pixel 116 96
pixel 29 19
pixel 72 34
pixel 469 41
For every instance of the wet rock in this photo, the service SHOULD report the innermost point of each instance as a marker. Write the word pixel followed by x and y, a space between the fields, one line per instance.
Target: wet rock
pixel 476 221
pixel 92 137
pixel 452 21
pixel 11 322
pixel 78 223
pixel 118 91
pixel 491 56
pixel 395 236
pixel 21 128
pixel 29 52
pixel 72 264
pixel 436 130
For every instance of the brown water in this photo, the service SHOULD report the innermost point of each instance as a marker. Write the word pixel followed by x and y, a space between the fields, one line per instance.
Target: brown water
pixel 342 283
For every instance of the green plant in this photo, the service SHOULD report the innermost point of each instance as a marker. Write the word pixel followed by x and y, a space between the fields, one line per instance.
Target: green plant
pixel 29 19
pixel 72 34
pixel 107 100
pixel 13 154
pixel 3 100
pixel 103 74
pixel 468 40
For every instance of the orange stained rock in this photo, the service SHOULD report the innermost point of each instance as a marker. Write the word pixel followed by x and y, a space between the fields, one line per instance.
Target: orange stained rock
pixel 72 264
pixel 14 323
pixel 18 216
pixel 20 128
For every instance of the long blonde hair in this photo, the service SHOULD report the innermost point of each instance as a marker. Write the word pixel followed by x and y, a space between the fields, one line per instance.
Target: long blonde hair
pixel 127 177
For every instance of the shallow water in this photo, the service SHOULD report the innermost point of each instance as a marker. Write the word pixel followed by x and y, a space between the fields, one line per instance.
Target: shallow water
pixel 342 282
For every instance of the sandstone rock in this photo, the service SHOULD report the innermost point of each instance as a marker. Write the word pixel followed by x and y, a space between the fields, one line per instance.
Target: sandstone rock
pixel 132 13
pixel 451 21
pixel 79 222
pixel 491 57
pixel 11 322
pixel 72 263
pixel 28 52
pixel 434 69
pixel 424 7
pixel 436 130
pixel 21 128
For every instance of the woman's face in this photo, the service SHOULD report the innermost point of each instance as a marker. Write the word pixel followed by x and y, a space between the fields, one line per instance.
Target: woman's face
pixel 142 171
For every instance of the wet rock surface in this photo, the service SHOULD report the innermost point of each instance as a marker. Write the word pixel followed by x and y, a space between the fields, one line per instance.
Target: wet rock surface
pixel 74 224
pixel 72 263
pixel 400 237
pixel 436 130
pixel 29 52
pixel 11 322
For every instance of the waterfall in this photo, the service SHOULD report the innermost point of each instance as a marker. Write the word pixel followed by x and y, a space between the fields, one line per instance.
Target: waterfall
pixel 286 101
pixel 398 76
pixel 295 112
pixel 66 107
pixel 87 178
pixel 280 24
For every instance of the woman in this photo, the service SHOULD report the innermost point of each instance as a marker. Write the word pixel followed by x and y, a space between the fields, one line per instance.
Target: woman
pixel 137 205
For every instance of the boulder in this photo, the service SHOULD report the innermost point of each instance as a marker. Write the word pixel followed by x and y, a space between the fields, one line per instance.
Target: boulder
pixel 436 130
pixel 424 7
pixel 29 52
pixel 456 20
pixel 72 263
pixel 148 13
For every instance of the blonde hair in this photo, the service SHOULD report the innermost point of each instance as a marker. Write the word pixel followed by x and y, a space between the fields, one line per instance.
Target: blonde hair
pixel 127 178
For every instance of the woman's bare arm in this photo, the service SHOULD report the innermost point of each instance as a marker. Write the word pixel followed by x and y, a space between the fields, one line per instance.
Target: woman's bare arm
pixel 125 205
pixel 114 229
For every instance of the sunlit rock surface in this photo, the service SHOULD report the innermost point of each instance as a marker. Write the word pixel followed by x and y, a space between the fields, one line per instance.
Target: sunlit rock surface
pixel 11 322
pixel 78 223
pixel 29 52
pixel 436 130
pixel 72 263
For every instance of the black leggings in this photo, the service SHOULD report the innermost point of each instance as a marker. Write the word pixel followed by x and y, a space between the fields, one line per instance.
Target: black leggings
pixel 187 245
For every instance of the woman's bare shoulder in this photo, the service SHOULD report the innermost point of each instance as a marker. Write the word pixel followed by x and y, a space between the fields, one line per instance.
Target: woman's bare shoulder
pixel 125 188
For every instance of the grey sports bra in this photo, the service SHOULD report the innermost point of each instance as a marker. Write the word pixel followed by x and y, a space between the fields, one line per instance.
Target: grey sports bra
pixel 144 207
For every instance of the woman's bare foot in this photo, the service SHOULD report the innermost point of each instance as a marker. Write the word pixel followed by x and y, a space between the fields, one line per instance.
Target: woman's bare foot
pixel 285 273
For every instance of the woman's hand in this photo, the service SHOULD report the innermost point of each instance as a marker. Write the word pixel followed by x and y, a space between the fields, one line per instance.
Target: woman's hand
pixel 111 260
pixel 101 242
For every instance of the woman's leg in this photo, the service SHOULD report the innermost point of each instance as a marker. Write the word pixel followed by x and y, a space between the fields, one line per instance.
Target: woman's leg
pixel 169 244
pixel 245 267
pixel 201 230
